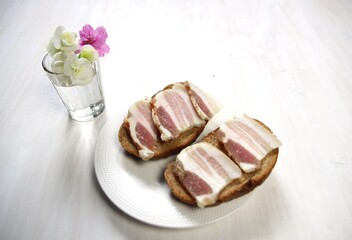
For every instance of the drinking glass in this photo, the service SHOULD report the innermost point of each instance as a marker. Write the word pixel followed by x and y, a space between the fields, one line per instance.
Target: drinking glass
pixel 83 102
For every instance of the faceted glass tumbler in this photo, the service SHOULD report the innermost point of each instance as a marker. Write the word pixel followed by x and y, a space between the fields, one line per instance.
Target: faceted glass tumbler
pixel 83 102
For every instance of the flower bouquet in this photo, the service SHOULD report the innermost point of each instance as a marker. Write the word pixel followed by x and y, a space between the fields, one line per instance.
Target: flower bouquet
pixel 73 57
pixel 72 65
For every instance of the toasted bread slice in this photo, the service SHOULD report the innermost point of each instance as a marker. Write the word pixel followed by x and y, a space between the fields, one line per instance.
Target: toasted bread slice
pixel 162 149
pixel 246 183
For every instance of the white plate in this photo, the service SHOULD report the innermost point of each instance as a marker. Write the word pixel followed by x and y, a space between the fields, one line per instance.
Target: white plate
pixel 138 188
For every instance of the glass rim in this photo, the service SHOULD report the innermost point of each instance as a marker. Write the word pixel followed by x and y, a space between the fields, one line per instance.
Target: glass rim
pixel 51 72
pixel 45 68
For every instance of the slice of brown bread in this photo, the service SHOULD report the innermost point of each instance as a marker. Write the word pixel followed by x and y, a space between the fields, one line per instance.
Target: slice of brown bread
pixel 162 149
pixel 246 183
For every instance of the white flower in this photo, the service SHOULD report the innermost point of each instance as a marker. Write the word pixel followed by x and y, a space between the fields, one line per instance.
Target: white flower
pixel 69 42
pixel 80 70
pixel 62 41
pixel 88 52
pixel 58 61
pixel 55 42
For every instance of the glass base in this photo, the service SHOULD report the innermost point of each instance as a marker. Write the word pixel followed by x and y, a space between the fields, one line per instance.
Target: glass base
pixel 89 113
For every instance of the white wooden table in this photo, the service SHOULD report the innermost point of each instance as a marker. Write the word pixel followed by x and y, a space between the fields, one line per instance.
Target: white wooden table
pixel 287 63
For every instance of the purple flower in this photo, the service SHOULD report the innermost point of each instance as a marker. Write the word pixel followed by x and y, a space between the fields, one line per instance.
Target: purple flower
pixel 95 38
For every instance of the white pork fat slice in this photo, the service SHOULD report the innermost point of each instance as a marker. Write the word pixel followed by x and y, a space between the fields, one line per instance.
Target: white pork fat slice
pixel 142 129
pixel 173 112
pixel 204 171
pixel 247 142
pixel 204 103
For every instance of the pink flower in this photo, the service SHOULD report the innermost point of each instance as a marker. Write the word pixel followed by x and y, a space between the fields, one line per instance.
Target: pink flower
pixel 95 38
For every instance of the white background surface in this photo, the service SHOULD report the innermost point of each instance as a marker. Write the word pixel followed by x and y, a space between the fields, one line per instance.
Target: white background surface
pixel 287 63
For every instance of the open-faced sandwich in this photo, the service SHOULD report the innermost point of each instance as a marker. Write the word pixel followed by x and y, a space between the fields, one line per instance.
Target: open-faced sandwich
pixel 227 163
pixel 167 122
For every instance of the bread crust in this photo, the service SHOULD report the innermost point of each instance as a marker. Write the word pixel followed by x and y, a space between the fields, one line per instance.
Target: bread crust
pixel 162 149
pixel 239 187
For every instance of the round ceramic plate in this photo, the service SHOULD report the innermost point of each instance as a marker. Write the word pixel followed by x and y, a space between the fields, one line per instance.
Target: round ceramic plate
pixel 138 188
